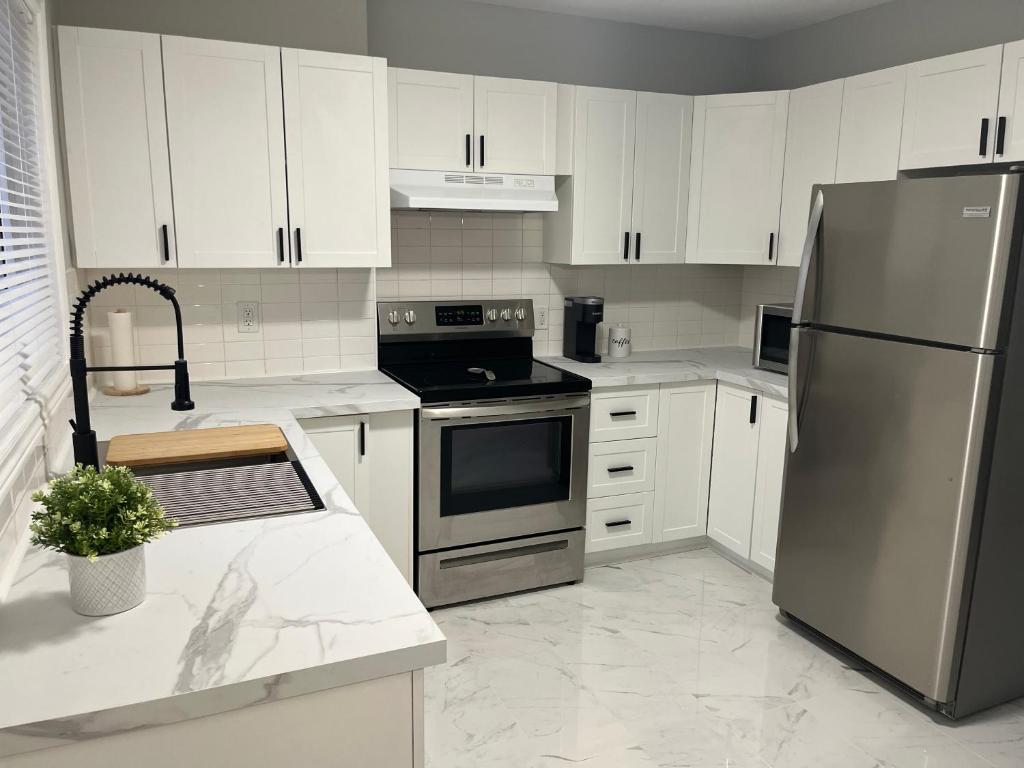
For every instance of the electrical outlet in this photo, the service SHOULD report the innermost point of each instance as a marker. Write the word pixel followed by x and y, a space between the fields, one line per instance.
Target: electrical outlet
pixel 540 315
pixel 248 317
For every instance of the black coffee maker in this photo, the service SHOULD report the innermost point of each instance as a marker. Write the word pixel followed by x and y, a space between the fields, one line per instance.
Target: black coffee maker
pixel 582 314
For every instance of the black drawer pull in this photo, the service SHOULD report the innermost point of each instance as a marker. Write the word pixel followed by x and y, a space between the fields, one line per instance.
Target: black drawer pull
pixel 753 410
pixel 469 150
pixel 637 254
pixel 771 246
pixel 983 144
pixel 481 150
pixel 362 438
pixel 617 523
pixel 280 245
pixel 625 247
pixel 298 245
pixel 1001 137
pixel 613 470
pixel 622 413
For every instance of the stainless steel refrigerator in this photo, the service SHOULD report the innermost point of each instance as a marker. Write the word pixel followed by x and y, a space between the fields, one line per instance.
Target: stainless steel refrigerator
pixel 902 531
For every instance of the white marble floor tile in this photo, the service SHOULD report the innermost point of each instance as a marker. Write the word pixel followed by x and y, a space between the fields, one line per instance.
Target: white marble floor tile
pixel 678 661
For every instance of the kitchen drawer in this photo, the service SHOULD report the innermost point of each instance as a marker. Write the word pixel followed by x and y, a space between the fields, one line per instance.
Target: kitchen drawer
pixel 621 466
pixel 619 521
pixel 623 413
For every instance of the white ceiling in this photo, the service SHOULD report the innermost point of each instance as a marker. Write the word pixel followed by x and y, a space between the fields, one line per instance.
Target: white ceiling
pixel 747 18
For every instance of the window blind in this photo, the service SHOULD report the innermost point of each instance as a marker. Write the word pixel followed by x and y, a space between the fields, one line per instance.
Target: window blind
pixel 29 313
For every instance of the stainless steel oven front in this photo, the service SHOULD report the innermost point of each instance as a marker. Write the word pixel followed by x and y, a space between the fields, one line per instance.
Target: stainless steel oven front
pixel 500 470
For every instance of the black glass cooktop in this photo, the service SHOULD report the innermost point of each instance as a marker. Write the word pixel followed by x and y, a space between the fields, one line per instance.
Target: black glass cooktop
pixel 449 380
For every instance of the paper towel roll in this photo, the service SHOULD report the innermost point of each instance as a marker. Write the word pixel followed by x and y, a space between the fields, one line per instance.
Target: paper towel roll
pixel 122 349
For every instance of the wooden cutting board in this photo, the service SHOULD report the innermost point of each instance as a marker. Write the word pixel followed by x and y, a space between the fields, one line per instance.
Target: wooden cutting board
pixel 196 445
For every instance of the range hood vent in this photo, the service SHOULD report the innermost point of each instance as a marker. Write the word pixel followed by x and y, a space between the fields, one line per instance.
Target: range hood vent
pixel 441 190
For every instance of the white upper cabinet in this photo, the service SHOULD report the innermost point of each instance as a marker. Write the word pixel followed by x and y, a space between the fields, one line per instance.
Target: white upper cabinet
pixel 661 177
pixel 335 109
pixel 812 142
pixel 1010 123
pixel 950 109
pixel 431 120
pixel 515 125
pixel 226 134
pixel 871 126
pixel 446 122
pixel 115 136
pixel 739 143
pixel 596 204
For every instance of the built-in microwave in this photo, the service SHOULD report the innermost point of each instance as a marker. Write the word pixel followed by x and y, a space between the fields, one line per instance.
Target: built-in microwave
pixel 771 337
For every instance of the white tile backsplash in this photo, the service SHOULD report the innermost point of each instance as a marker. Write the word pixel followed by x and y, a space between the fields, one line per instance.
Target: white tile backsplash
pixel 324 319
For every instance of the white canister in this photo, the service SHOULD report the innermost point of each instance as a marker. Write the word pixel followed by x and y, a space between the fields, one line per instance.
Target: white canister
pixel 619 344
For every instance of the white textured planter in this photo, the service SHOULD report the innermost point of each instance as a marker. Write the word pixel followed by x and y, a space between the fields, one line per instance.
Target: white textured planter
pixel 108 584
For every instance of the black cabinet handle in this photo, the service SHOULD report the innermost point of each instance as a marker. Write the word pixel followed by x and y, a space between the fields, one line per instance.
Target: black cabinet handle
pixel 753 410
pixel 983 144
pixel 613 470
pixel 469 150
pixel 481 150
pixel 625 247
pixel 771 246
pixel 1001 136
pixel 637 254
pixel 622 413
pixel 362 438
pixel 298 245
pixel 617 523
pixel 280 245
pixel 167 244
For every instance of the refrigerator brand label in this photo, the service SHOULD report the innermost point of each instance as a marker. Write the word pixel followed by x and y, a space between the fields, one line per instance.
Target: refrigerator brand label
pixel 977 211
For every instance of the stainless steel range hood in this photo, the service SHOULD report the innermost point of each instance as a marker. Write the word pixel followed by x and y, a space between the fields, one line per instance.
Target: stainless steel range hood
pixel 443 190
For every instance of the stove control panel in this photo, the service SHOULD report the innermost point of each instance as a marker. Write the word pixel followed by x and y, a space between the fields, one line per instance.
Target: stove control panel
pixel 404 320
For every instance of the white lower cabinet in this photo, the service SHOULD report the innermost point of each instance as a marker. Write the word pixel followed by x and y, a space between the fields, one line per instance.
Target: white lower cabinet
pixel 686 425
pixel 371 455
pixel 619 521
pixel 746 473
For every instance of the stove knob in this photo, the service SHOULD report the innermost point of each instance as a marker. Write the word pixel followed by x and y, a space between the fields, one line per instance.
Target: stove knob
pixel 520 313
pixel 394 317
pixel 492 315
pixel 506 314
pixel 410 317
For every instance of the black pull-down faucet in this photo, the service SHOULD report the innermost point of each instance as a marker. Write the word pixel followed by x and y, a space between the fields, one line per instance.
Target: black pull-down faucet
pixel 84 437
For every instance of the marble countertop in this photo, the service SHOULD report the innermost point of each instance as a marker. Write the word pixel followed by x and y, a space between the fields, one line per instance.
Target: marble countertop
pixel 236 614
pixel 667 366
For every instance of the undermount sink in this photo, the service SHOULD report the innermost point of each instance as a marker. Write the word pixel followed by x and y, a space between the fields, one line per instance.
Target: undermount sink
pixel 227 490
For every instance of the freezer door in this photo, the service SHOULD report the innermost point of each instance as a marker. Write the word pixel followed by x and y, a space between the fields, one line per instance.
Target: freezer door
pixel 918 259
pixel 879 499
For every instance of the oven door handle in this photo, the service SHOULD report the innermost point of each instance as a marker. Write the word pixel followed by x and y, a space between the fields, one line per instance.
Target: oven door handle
pixel 504 409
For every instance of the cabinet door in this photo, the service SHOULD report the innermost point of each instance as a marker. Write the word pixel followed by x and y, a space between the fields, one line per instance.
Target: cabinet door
pixel 1010 124
pixel 812 142
pixel 115 134
pixel 515 125
pixel 871 126
pixel 739 145
pixel 338 441
pixel 950 103
pixel 683 476
pixel 336 137
pixel 661 177
pixel 734 467
pixel 431 120
pixel 226 131
pixel 603 175
pixel 771 467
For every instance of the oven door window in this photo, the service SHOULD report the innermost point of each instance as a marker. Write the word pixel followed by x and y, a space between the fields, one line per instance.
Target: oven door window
pixel 505 464
pixel 775 338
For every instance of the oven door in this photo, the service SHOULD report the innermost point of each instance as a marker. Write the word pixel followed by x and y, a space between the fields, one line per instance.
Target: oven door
pixel 497 471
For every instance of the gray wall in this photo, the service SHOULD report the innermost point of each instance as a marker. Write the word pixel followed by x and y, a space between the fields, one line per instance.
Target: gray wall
pixel 325 25
pixel 474 38
pixel 886 35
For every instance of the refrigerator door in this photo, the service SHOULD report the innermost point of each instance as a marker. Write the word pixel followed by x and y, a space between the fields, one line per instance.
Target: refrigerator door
pixel 879 499
pixel 920 259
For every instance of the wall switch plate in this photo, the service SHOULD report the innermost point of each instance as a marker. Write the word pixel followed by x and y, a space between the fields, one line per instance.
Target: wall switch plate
pixel 540 315
pixel 248 317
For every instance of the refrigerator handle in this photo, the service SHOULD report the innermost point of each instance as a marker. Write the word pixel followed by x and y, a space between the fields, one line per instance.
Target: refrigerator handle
pixel 805 260
pixel 793 389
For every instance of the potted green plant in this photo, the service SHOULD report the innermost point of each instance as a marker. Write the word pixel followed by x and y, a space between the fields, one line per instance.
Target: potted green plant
pixel 100 519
